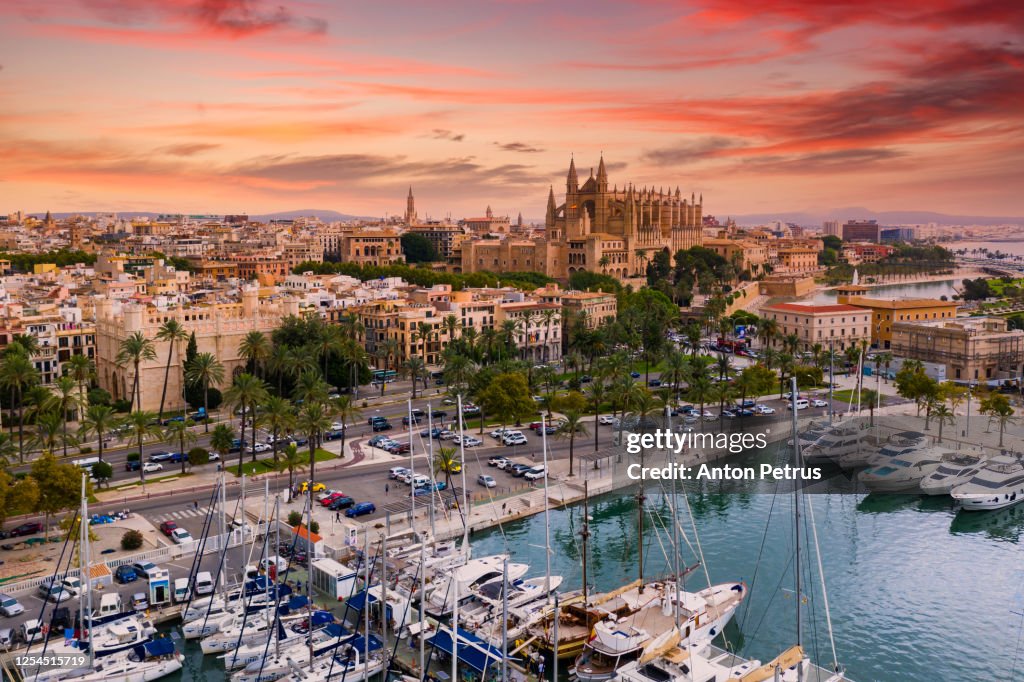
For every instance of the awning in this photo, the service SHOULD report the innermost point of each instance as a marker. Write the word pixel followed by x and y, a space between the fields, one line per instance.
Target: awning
pixel 297 602
pixel 162 646
pixel 473 651
pixel 357 600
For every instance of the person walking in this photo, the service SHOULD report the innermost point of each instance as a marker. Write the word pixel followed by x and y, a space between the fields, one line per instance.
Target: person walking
pixel 387 489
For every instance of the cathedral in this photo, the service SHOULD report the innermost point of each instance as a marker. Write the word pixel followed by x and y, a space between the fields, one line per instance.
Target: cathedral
pixel 610 230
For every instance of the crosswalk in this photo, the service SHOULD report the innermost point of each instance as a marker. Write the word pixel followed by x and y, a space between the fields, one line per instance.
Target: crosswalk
pixel 189 513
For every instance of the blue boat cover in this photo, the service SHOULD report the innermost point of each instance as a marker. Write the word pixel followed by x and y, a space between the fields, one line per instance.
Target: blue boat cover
pixel 357 600
pixel 359 642
pixel 297 602
pixel 162 646
pixel 473 651
pixel 335 630
pixel 321 617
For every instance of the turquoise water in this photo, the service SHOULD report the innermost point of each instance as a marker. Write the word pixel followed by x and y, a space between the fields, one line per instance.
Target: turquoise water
pixel 916 590
pixel 918 290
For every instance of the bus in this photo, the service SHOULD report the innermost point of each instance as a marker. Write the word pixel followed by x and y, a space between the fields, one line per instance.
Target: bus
pixel 384 375
pixel 86 463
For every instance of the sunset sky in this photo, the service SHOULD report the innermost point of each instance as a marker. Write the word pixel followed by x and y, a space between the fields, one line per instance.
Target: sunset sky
pixel 231 106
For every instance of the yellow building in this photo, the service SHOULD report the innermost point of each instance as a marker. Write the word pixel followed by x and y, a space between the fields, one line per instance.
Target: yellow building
pixel 979 349
pixel 885 313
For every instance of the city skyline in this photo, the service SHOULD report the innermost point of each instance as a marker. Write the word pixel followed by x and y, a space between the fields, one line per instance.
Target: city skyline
pixel 234 106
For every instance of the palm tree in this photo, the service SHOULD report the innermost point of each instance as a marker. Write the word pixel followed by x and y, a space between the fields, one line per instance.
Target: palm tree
pixel 82 369
pixel 255 349
pixel 18 373
pixel 222 439
pixel 132 351
pixel 596 396
pixel 346 412
pixel 997 407
pixel 278 418
pixel 870 398
pixel 604 261
pixel 67 398
pixel 330 344
pixel 205 369
pixel 246 393
pixel 142 428
pixel 767 330
pixel 508 332
pixel 791 343
pixel 99 420
pixel 7 450
pixel 883 359
pixel 292 461
pixel 310 388
pixel 674 373
pixel 51 428
pixel 181 433
pixel 173 333
pixel 312 421
pixel 570 428
pixel 451 324
pixel 415 368
pixel 445 460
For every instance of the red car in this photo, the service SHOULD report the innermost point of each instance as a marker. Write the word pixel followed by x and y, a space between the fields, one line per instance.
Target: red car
pixel 168 527
pixel 331 498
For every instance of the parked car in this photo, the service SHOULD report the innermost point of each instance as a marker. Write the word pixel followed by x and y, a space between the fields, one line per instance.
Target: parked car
pixel 181 536
pixel 152 467
pixel 519 470
pixel 438 414
pixel 125 574
pixel 29 528
pixel 606 419
pixel 360 509
pixel 747 403
pixel 486 481
pixel 51 590
pixel 9 606
pixel 382 426
pixel 800 404
pixel 139 601
pixel 394 472
pixel 788 395
pixel 334 434
pixel 535 473
pixel 406 420
pixel 160 456
pixel 331 498
pixel 514 439
pixel 471 441
pixel 168 527
pixel 635 375
pixel 505 464
pixel 426 490
pixel 818 402
pixel 763 409
pixel 654 383
pixel 145 569
pixel 317 487
pixel 343 502
pixel 132 465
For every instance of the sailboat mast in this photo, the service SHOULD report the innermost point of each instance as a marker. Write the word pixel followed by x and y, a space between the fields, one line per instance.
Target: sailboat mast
pixel 796 511
pixel 504 619
pixel 384 588
pixel 585 536
pixel 86 572
pixel 366 607
pixel 675 527
pixel 423 592
pixel 412 474
pixel 547 514
pixel 277 544
pixel 309 563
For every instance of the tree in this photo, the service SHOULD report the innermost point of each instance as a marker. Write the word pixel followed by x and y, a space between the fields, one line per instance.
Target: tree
pixel 997 407
pixel 572 426
pixel 82 369
pixel 870 398
pixel 17 373
pixel 173 333
pixel 346 412
pixel 133 351
pixel 674 371
pixel 943 415
pixel 312 421
pixel 255 349
pixel 99 420
pixel 17 497
pixel 180 432
pixel 131 540
pixel 246 393
pixel 278 418
pixel 7 450
pixel 445 460
pixel 418 249
pixel 205 369
pixel 51 430
pixel 291 461
pixel 102 472
pixel 222 439
pixel 60 486
pixel 142 428
pixel 415 369
pixel 310 388
pixel 508 398
pixel 198 457
pixel 754 380
pixel 67 398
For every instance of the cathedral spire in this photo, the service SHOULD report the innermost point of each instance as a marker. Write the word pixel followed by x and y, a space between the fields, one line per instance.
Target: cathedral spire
pixel 601 172
pixel 572 183
pixel 410 208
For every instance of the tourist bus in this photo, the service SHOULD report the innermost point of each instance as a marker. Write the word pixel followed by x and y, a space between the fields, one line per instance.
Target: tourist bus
pixel 384 375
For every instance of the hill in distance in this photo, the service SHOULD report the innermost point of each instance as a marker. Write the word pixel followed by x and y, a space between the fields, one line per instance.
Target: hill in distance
pixel 815 218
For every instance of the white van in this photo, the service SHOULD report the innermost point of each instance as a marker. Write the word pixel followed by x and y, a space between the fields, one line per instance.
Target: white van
pixel 181 591
pixel 110 605
pixel 204 583
pixel 420 481
pixel 32 631
pixel 801 403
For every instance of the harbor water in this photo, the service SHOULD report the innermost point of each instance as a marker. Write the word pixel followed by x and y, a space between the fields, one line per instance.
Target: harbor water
pixel 918 591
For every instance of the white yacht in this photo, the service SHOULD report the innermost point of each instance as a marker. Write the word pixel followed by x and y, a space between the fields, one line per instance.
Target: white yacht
pixel 903 472
pixel 276 665
pixel 617 641
pixel 999 484
pixel 896 444
pixel 324 629
pixel 348 665
pixel 829 444
pixel 441 598
pixel 113 637
pixel 682 664
pixel 956 468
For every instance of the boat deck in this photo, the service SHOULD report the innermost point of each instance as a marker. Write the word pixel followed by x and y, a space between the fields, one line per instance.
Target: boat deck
pixel 817 673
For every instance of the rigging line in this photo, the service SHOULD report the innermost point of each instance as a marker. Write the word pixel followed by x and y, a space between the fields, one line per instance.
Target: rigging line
pixel 775 592
pixel 810 589
pixel 821 573
pixel 760 552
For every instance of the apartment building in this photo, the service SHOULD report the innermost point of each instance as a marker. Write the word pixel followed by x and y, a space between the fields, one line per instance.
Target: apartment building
pixel 885 313
pixel 981 349
pixel 839 325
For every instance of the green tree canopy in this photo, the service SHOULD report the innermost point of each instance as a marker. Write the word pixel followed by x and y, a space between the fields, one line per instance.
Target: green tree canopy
pixel 418 249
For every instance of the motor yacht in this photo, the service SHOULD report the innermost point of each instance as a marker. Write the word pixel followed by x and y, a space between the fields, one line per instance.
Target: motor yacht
pixel 903 472
pixel 955 468
pixel 999 484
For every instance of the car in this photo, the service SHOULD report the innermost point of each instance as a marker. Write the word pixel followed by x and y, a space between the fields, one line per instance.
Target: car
pixel 747 403
pixel 539 398
pixel 448 434
pixel 125 574
pixel 471 441
pixel 382 426
pixel 343 502
pixel 178 457
pixel 140 602
pixel 337 426
pixel 486 481
pixel 438 414
pixel 317 487
pixel 449 401
pixel 799 404
pixel 181 536
pixel 535 473
pixel 30 528
pixel 635 375
pixel 788 395
pixel 298 440
pixel 152 467
pixel 399 448
pixel 334 434
pixel 499 432
pixel 496 460
pixel 818 402
pixel 214 457
pixel 728 414
pixel 51 590
pixel 427 489
pixel 9 606
pixel 505 464
pixel 654 383
pixel 431 433
pixel 744 412
pixel 145 569
pixel 414 420
pixel 132 465
pixel 375 441
pixel 519 470
pixel 376 418
pixel 586 379
pixel 168 527
pixel 470 410
pixel 160 456
pixel 708 415
pixel 256 448
pixel 171 420
pixel 606 419
pixel 763 409
pixel 395 472
pixel 331 498
pixel 360 509
pixel 404 477
pixel 514 440
pixel 199 415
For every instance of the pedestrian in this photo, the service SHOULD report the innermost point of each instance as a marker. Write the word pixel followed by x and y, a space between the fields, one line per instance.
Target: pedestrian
pixel 540 669
pixel 195 504
pixel 387 488
pixel 337 516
